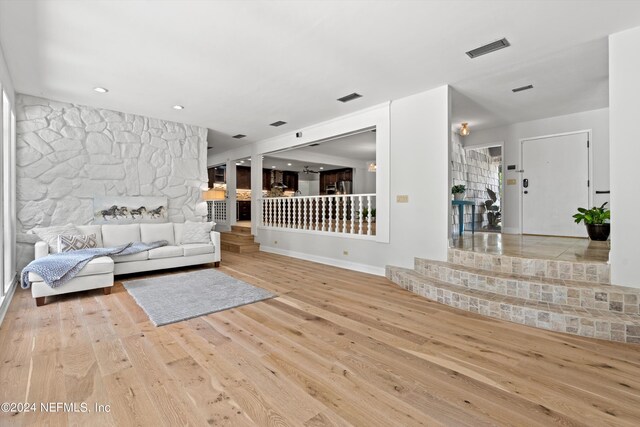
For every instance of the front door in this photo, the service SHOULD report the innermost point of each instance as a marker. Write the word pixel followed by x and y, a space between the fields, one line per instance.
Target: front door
pixel 555 183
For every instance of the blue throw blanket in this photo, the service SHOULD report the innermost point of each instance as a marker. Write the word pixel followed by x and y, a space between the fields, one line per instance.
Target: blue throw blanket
pixel 58 269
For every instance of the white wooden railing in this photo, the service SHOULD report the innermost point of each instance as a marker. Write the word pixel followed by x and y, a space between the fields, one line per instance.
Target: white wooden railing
pixel 349 214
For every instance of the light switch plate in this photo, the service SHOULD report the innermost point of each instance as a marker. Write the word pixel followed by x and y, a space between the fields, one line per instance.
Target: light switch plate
pixel 511 182
pixel 402 198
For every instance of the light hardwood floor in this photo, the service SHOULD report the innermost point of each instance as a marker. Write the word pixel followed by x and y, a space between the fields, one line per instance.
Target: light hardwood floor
pixel 335 348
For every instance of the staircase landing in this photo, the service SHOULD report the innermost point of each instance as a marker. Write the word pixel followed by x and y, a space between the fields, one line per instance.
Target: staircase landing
pixel 563 296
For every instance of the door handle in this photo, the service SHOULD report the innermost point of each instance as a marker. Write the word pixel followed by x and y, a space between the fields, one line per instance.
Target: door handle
pixel 525 183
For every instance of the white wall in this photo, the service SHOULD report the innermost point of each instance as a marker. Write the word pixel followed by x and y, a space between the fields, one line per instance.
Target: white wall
pixel 415 162
pixel 595 120
pixel 624 93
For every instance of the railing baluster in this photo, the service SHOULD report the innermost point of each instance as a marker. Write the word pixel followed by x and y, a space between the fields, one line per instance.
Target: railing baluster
pixel 368 215
pixel 344 214
pixel 316 206
pixel 360 214
pixel 323 213
pixel 352 214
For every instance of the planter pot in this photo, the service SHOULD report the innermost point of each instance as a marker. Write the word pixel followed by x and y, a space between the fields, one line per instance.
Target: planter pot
pixel 599 232
pixel 458 196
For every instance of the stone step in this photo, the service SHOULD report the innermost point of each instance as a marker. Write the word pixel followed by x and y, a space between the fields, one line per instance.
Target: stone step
pixel 573 293
pixel 240 248
pixel 235 237
pixel 241 229
pixel 593 272
pixel 583 321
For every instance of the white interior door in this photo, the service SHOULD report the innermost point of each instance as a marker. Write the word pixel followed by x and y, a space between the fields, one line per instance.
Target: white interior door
pixel 554 184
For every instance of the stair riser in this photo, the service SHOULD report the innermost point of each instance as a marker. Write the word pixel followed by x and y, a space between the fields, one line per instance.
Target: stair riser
pixel 560 322
pixel 238 229
pixel 579 271
pixel 236 238
pixel 600 297
pixel 240 249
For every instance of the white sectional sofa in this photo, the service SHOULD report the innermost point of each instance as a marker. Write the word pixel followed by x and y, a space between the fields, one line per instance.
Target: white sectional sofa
pixel 99 273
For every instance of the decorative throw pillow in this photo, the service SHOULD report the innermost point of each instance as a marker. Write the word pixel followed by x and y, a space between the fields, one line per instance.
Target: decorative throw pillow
pixel 50 234
pixel 196 232
pixel 76 242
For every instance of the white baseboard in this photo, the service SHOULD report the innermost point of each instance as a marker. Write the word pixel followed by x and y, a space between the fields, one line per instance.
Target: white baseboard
pixel 510 230
pixel 7 300
pixel 363 268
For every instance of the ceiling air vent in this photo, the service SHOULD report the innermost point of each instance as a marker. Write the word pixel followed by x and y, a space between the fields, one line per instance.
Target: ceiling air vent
pixel 521 88
pixel 488 48
pixel 278 123
pixel 314 145
pixel 238 136
pixel 350 97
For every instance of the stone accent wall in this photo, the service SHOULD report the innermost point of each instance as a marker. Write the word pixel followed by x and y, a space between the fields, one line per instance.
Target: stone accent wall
pixel 68 153
pixel 477 170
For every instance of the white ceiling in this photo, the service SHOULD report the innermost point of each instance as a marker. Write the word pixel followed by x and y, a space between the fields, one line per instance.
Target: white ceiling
pixel 239 65
pixel 358 147
pixel 570 81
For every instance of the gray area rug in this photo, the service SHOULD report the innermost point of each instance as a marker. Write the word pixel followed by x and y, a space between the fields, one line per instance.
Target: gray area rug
pixel 170 299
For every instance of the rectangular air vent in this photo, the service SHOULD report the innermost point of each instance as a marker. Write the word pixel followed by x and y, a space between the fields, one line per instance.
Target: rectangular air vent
pixel 278 123
pixel 488 48
pixel 521 88
pixel 238 136
pixel 350 97
pixel 314 145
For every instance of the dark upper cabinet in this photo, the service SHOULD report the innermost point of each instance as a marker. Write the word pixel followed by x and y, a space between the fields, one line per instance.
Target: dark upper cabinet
pixel 243 177
pixel 266 179
pixel 290 179
pixel 217 175
pixel 332 177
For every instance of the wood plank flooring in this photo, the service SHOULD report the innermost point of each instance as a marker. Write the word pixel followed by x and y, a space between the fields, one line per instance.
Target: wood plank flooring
pixel 335 348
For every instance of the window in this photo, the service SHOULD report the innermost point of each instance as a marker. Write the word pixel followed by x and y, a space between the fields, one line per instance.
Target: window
pixel 7 196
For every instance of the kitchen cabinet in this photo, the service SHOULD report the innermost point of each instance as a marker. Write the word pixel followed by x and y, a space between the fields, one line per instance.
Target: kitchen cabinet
pixel 217 175
pixel 290 179
pixel 332 177
pixel 243 177
pixel 266 179
pixel 243 210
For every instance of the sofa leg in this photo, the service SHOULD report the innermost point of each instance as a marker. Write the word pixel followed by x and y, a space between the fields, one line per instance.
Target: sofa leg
pixel 107 290
pixel 216 264
pixel 39 301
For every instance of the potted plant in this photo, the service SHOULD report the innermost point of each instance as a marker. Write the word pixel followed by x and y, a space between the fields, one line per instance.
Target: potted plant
pixel 458 192
pixel 596 219
pixel 365 214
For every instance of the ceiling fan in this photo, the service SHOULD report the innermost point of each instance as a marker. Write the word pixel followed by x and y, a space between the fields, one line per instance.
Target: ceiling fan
pixel 307 170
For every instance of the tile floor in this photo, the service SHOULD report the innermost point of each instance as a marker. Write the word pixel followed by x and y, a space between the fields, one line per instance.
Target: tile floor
pixel 547 247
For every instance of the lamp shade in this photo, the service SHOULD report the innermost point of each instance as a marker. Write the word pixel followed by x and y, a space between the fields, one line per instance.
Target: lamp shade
pixel 213 194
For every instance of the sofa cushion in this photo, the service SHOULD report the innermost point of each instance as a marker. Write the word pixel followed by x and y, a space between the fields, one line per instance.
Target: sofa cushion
pixel 99 265
pixel 76 242
pixel 166 252
pixel 192 249
pixel 92 229
pixel 116 235
pixel 140 256
pixel 178 228
pixel 196 232
pixel 153 232
pixel 50 234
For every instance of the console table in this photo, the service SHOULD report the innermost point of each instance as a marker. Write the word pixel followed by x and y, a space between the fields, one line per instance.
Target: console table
pixel 461 204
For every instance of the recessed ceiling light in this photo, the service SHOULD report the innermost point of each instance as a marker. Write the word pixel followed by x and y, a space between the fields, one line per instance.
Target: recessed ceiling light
pixel 278 123
pixel 238 136
pixel 100 89
pixel 178 107
pixel 241 161
pixel 288 164
pixel 273 167
pixel 237 164
pixel 321 168
pixel 249 159
pixel 350 97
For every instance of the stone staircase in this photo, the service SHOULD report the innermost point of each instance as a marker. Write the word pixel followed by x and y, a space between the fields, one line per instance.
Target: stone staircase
pixel 570 297
pixel 238 240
